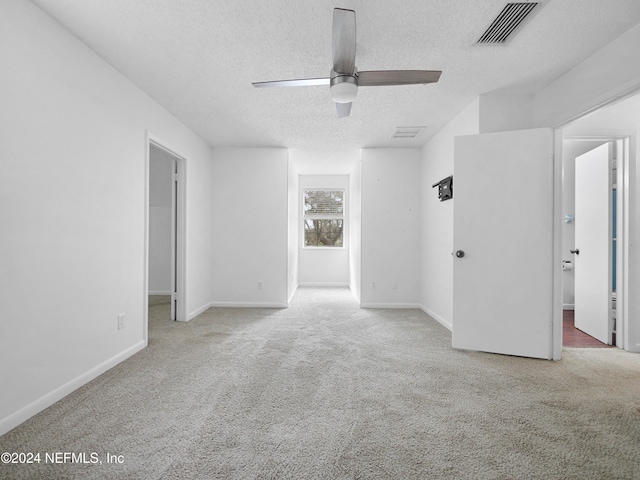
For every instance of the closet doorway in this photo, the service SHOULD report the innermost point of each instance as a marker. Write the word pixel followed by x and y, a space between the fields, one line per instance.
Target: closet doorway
pixel 165 229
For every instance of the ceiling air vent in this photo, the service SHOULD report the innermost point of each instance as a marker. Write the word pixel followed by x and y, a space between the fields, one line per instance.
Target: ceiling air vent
pixel 511 16
pixel 407 132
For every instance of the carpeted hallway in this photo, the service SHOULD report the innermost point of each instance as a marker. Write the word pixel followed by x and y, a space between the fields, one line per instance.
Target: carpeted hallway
pixel 324 390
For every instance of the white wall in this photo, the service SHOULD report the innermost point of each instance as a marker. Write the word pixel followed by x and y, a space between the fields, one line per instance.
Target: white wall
pixel 250 222
pixel 436 268
pixel 613 70
pixel 161 168
pixel 72 209
pixel 324 266
pixel 502 113
pixel 390 193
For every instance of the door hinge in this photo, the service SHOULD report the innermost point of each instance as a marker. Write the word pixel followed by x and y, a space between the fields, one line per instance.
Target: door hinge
pixel 613 163
pixel 174 297
pixel 175 177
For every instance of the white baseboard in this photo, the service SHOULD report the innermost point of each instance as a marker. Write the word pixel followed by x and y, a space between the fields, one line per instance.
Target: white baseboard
pixel 25 413
pixel 200 310
pixel 323 284
pixel 390 305
pixel 446 324
pixel 248 305
pixel 568 306
pixel 168 292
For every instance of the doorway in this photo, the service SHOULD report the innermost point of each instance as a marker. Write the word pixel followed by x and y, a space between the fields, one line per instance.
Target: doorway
pixel 617 124
pixel 165 233
pixel 589 254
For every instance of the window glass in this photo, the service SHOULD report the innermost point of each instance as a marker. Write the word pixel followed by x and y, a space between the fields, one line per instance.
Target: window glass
pixel 323 218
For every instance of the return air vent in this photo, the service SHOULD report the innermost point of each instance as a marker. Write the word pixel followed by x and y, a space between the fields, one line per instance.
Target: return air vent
pixel 510 18
pixel 407 132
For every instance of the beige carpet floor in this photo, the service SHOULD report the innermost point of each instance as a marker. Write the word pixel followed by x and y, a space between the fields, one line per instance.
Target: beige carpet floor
pixel 325 390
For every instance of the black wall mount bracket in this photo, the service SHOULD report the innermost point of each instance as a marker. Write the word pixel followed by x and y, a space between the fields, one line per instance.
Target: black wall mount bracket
pixel 445 188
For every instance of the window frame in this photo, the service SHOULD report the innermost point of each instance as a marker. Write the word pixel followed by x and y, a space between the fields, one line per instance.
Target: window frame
pixel 342 217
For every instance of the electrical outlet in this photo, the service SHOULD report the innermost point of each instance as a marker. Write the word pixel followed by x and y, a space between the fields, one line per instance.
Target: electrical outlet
pixel 259 285
pixel 394 284
pixel 121 321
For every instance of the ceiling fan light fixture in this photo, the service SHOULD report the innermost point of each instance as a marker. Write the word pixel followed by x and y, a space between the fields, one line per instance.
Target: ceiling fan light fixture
pixel 344 88
pixel 344 77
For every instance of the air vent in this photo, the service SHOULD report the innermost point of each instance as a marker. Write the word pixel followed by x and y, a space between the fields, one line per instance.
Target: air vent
pixel 407 132
pixel 507 22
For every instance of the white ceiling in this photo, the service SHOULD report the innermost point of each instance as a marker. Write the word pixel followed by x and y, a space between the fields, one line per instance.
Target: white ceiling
pixel 198 58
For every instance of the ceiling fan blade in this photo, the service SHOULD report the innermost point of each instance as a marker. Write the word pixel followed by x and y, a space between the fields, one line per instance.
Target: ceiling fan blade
pixel 344 41
pixel 397 77
pixel 303 82
pixel 343 109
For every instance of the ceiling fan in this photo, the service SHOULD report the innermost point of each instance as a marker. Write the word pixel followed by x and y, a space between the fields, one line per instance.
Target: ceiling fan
pixel 344 78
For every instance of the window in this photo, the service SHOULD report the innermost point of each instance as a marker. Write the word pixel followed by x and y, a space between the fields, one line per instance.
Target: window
pixel 323 218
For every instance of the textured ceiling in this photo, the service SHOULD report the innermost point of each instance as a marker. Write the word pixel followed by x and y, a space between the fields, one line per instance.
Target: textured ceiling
pixel 198 58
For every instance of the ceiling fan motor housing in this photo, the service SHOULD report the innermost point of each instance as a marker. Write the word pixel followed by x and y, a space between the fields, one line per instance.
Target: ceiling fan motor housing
pixel 344 88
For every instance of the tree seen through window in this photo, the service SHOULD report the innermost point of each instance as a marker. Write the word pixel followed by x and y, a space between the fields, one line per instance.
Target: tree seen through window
pixel 323 218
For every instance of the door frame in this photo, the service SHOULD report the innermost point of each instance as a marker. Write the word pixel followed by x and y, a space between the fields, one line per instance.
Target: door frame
pixel 621 143
pixel 178 264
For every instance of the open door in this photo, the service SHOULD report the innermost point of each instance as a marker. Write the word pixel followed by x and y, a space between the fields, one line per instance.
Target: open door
pixel 503 243
pixel 593 243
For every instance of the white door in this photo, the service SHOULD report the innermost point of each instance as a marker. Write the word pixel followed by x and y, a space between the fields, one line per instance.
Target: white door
pixel 593 238
pixel 503 222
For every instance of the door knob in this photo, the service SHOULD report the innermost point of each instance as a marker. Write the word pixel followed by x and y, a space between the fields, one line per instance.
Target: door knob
pixel 576 251
pixel 460 253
